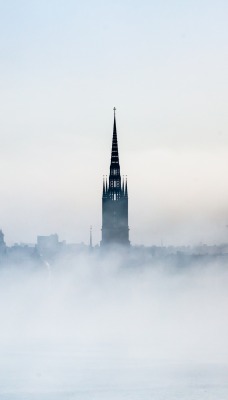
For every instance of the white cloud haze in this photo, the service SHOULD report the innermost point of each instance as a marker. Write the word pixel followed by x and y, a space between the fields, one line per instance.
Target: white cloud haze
pixel 89 315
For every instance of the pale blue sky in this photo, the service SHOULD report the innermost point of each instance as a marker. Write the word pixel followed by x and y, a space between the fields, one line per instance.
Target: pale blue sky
pixel 63 66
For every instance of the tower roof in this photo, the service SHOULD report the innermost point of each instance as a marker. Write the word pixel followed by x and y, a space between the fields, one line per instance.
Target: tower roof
pixel 114 153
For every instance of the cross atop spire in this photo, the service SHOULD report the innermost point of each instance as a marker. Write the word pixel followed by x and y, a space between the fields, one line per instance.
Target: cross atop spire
pixel 115 154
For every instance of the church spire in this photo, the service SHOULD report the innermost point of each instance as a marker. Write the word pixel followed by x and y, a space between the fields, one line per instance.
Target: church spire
pixel 114 154
pixel 115 229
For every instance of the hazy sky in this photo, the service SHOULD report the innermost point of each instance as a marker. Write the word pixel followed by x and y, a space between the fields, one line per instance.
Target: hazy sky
pixel 63 66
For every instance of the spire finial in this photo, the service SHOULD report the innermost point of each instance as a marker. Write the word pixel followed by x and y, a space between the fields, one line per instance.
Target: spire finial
pixel 114 109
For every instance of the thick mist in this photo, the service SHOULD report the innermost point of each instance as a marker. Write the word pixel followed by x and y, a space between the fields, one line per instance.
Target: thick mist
pixel 160 311
pixel 68 324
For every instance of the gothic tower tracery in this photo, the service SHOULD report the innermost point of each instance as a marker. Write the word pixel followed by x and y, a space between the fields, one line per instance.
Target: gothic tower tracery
pixel 115 229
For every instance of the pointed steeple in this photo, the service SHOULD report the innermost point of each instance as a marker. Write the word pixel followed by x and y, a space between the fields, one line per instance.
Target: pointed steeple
pixel 115 229
pixel 114 154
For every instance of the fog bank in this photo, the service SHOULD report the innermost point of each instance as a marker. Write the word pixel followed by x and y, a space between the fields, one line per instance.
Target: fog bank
pixel 95 306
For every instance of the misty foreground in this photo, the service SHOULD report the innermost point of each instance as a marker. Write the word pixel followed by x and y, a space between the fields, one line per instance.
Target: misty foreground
pixel 91 328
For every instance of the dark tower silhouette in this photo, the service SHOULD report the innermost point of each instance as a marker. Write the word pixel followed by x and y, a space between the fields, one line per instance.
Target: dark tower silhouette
pixel 115 229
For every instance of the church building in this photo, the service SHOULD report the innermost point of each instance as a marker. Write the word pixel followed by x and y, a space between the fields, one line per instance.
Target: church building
pixel 115 230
